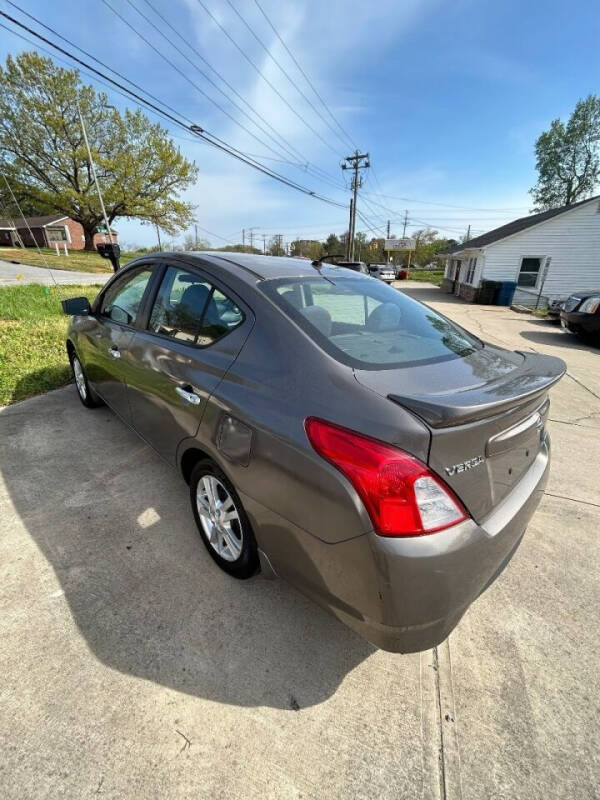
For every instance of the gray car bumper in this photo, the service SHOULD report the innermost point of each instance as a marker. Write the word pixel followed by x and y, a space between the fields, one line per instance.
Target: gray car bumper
pixel 429 582
pixel 403 595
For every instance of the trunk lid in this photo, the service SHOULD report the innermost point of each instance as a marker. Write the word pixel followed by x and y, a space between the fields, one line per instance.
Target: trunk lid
pixel 486 414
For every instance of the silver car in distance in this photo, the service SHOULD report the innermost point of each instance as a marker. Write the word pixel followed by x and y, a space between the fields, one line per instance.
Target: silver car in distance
pixel 332 430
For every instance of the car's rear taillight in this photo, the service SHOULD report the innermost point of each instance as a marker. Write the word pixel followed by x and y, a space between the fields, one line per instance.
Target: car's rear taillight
pixel 403 497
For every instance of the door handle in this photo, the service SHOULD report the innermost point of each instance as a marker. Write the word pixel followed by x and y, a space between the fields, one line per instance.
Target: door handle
pixel 188 395
pixel 114 351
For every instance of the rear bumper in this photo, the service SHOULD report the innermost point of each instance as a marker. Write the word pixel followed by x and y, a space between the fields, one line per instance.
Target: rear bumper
pixel 428 582
pixel 402 595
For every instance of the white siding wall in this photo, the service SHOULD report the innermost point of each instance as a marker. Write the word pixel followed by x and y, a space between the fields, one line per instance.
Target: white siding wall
pixel 572 240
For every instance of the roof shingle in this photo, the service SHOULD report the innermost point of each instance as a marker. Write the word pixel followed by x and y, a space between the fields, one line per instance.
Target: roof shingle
pixel 33 222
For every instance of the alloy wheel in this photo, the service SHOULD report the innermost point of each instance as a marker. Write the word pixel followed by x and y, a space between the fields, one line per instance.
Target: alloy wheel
pixel 219 518
pixel 79 378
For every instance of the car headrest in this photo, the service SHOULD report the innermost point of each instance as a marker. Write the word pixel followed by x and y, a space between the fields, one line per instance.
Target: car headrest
pixel 292 297
pixel 193 301
pixel 385 317
pixel 319 317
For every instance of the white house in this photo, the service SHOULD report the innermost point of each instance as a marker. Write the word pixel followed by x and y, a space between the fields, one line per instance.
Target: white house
pixel 553 253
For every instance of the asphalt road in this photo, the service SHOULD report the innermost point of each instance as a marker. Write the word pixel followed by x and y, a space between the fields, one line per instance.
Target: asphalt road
pixel 19 274
pixel 131 667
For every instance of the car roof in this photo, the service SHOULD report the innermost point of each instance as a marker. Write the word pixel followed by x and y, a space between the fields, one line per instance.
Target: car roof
pixel 256 267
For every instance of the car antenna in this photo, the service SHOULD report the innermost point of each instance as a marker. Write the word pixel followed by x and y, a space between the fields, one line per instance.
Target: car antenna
pixel 318 263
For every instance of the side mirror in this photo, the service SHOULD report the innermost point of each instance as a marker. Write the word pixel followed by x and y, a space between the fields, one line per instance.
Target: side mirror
pixel 76 306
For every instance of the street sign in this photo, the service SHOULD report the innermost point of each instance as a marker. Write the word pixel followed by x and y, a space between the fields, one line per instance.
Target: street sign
pixel 400 244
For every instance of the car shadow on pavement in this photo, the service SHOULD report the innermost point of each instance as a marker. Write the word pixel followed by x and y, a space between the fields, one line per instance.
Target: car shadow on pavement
pixel 114 522
pixel 558 338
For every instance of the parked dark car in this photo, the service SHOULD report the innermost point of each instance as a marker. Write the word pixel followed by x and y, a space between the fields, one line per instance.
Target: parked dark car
pixel 580 314
pixel 331 429
pixel 355 266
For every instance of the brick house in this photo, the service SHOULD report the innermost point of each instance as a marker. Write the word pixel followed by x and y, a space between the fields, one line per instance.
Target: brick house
pixel 46 231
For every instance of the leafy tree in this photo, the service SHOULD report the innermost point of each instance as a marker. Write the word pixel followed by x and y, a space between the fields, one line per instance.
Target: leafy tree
pixel 428 245
pixel 43 154
pixel 191 243
pixel 275 247
pixel 309 248
pixel 333 245
pixel 567 158
pixel 239 248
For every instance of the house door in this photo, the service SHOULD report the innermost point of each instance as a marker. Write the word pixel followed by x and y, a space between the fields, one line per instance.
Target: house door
pixel 457 268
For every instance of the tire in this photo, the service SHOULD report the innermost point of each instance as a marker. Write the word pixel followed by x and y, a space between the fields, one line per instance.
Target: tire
pixel 230 541
pixel 86 394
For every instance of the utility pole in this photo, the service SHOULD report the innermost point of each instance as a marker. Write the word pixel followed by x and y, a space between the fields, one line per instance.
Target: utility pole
pixel 405 224
pixel 354 162
pixel 264 238
pixel 196 236
pixel 243 237
pixel 388 229
pixel 251 236
pixel 350 234
pixel 158 237
pixel 468 232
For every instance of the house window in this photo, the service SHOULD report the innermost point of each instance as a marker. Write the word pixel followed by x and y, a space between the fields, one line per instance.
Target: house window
pixel 471 270
pixel 530 269
pixel 56 234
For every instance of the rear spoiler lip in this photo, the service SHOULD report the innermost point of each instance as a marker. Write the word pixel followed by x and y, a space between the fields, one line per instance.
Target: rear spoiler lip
pixel 536 374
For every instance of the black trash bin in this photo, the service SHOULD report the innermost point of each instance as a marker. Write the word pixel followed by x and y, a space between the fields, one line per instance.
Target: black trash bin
pixel 488 292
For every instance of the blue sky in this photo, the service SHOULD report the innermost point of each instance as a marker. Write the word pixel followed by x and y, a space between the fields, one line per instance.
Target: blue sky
pixel 447 97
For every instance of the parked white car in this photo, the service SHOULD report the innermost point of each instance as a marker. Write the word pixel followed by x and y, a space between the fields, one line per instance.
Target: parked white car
pixel 384 272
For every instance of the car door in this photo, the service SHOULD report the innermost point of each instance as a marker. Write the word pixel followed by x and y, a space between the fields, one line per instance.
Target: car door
pixel 194 330
pixel 110 334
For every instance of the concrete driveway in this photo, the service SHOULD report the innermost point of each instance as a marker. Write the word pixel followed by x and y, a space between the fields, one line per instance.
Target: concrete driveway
pixel 131 667
pixel 19 274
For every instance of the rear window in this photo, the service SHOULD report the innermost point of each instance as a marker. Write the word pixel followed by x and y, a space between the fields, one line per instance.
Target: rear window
pixel 368 324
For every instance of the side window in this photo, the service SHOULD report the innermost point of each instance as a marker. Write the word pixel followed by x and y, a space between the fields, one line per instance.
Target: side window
pixel 528 274
pixel 190 309
pixel 123 299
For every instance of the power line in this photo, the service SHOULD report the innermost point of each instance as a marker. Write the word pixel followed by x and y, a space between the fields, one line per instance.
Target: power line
pixel 89 55
pixel 195 129
pixel 265 79
pixel 446 205
pixel 183 74
pixel 148 94
pixel 287 146
pixel 303 73
pixel 370 227
pixel 215 235
pixel 283 70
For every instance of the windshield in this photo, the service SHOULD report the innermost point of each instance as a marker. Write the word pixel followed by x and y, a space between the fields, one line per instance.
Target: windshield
pixel 368 324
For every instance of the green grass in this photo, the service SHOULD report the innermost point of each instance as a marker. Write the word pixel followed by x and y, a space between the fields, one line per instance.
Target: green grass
pixel 431 275
pixel 33 359
pixel 77 260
